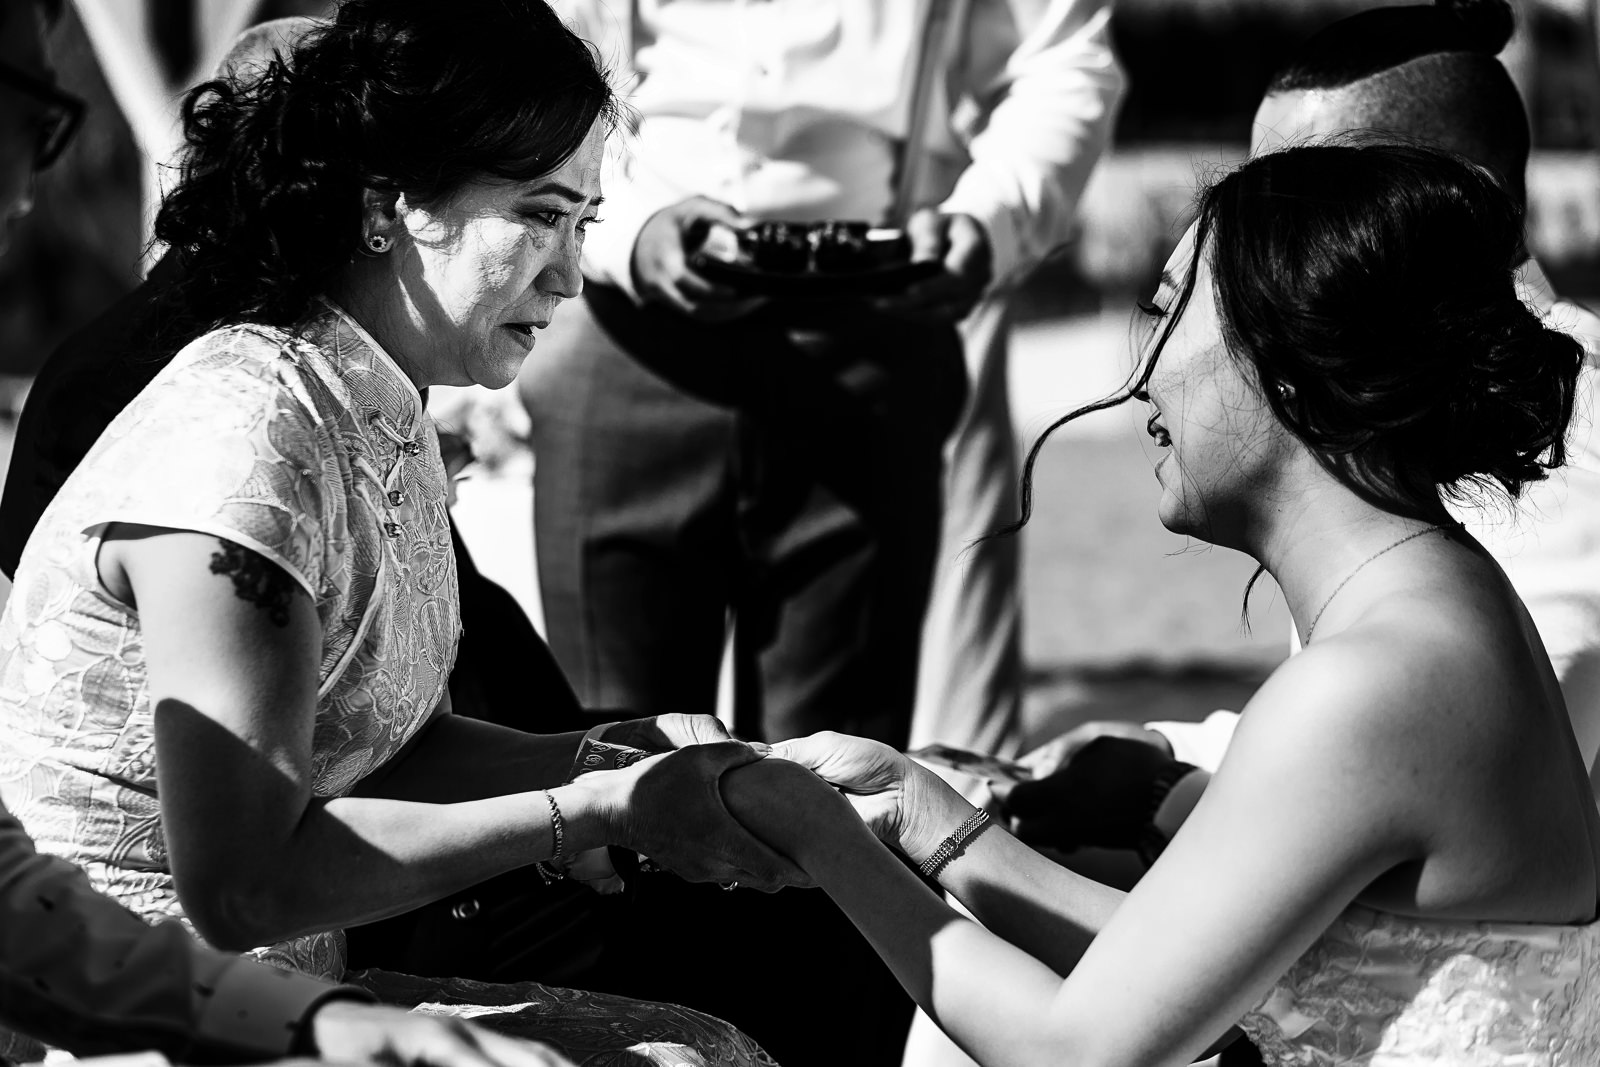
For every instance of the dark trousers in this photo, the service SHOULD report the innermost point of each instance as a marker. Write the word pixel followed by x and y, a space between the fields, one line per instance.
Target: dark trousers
pixel 784 469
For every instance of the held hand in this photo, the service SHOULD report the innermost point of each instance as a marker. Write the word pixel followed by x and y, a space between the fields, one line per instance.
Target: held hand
pixel 886 787
pixel 347 1031
pixel 788 807
pixel 660 264
pixel 669 808
pixel 961 245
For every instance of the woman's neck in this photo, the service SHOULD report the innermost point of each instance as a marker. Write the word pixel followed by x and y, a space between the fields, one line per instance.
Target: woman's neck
pixel 1320 542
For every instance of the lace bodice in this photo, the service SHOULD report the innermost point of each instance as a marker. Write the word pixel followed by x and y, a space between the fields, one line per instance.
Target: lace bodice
pixel 1383 990
pixel 313 451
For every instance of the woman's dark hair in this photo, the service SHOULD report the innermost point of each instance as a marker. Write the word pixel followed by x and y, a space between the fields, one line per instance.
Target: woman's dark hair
pixel 1367 290
pixel 409 96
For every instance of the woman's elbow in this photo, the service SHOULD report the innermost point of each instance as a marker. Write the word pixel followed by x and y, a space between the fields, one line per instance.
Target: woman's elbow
pixel 236 912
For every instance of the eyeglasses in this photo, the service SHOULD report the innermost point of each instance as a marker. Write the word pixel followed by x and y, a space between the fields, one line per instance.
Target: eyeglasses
pixel 63 113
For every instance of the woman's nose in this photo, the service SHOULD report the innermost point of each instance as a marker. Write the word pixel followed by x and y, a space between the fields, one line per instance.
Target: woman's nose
pixel 563 275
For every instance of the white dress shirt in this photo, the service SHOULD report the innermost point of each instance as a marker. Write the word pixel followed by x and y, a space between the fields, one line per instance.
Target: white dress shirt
pixel 795 109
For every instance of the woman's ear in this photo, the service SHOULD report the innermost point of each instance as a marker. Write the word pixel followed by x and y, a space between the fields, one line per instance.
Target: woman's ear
pixel 380 223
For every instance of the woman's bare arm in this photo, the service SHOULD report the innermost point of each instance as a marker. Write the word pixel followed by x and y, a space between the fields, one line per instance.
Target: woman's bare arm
pixel 232 667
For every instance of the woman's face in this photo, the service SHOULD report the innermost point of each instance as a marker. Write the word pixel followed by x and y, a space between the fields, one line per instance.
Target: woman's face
pixel 477 274
pixel 1219 440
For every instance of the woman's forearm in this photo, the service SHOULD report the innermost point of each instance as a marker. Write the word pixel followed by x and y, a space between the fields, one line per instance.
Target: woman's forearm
pixel 454 759
pixel 352 860
pixel 993 998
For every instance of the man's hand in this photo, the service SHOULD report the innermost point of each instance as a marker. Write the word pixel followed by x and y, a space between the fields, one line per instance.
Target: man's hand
pixel 1106 796
pixel 347 1031
pixel 660 265
pixel 961 245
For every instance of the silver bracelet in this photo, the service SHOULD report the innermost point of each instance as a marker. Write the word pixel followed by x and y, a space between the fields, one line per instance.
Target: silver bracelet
pixel 548 870
pixel 952 845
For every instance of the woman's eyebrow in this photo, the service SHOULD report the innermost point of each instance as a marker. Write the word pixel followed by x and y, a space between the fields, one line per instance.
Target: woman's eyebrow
pixel 565 192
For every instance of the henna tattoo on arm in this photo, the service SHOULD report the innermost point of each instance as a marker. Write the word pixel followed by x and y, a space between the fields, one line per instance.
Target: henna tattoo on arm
pixel 256 580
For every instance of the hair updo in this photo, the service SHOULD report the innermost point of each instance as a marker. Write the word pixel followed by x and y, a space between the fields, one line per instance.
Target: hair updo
pixel 1371 289
pixel 409 96
pixel 1367 289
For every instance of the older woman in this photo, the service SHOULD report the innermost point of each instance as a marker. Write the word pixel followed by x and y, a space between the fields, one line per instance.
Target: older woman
pixel 224 661
pixel 1398 863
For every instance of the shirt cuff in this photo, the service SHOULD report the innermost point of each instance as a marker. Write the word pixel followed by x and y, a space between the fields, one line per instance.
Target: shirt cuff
pixel 260 1012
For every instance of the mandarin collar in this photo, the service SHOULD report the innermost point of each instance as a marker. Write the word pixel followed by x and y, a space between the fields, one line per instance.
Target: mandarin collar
pixel 375 358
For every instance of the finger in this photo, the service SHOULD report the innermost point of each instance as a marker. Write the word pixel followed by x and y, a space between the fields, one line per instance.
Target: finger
pixel 711 210
pixel 707 729
pixel 927 231
pixel 724 756
pixel 968 253
pixel 812 752
pixel 454 1043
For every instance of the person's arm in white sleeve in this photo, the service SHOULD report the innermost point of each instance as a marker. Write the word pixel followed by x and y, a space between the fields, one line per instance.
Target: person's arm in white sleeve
pixel 79 971
pixel 1200 743
pixel 1047 112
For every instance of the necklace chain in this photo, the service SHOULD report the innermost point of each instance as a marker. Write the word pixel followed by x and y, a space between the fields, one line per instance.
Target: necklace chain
pixel 1387 548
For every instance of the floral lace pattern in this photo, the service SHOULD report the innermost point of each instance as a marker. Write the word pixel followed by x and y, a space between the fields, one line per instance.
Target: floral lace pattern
pixel 590 1029
pixel 1383 990
pixel 313 451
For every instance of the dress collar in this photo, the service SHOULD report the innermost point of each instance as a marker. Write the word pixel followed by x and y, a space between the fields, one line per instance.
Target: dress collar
pixel 362 353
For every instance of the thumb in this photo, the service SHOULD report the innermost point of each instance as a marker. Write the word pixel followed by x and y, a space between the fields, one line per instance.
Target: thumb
pixel 811 752
pixel 709 210
pixel 724 756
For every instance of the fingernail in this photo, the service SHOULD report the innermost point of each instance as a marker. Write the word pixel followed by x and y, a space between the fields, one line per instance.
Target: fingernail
pixel 761 747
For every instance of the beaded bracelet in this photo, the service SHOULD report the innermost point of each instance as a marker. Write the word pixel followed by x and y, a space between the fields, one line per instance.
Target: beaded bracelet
pixel 548 871
pixel 952 845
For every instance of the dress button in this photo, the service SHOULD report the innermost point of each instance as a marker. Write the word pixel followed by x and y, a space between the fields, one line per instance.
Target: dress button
pixel 392 529
pixel 411 448
pixel 396 498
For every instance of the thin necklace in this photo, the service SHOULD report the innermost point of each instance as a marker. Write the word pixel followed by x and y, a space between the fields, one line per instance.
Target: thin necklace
pixel 1389 548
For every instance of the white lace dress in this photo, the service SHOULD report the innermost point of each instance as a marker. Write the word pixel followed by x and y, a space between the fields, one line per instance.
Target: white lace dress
pixel 1383 990
pixel 315 451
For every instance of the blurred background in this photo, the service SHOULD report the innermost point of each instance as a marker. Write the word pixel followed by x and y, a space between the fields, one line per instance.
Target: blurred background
pixel 1123 619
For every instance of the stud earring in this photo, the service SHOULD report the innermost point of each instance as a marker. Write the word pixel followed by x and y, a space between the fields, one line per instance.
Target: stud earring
pixel 378 243
pixel 1285 391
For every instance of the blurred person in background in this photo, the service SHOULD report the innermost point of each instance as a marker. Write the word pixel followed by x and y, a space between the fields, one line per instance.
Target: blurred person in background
pixel 80 971
pixel 1398 862
pixel 264 530
pixel 1426 73
pixel 703 452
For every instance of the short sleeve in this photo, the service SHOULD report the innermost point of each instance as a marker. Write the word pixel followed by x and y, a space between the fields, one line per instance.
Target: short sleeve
pixel 228 440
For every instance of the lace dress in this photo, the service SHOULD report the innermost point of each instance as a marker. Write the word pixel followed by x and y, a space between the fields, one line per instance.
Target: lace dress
pixel 315 451
pixel 1383 990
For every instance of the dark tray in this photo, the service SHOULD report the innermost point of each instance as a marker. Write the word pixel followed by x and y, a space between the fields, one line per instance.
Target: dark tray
pixel 881 281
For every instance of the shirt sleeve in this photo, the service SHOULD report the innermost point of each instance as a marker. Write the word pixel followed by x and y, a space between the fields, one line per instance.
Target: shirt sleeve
pixel 80 972
pixel 1046 107
pixel 1200 743
pixel 228 440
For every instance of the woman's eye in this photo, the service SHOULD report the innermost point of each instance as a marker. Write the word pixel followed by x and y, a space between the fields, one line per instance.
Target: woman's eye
pixel 584 224
pixel 1151 308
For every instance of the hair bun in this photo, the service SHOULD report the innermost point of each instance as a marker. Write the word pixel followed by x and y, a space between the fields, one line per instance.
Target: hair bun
pixel 1488 24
